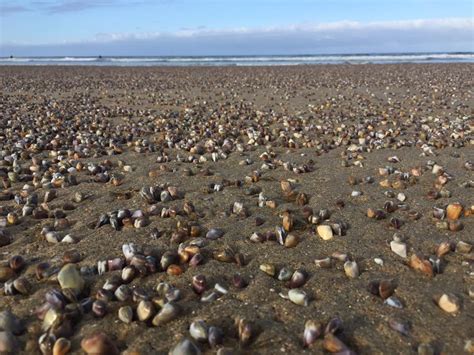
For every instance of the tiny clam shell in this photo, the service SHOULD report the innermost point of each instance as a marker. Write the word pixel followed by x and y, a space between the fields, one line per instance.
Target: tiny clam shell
pixel 125 314
pixel 268 269
pixel 400 326
pixel 99 344
pixel 312 331
pixel 215 336
pixel 168 312
pixel 393 302
pixel 298 297
pixel 298 279
pixel 351 269
pixel 61 346
pixel 145 310
pixel 214 233
pixel 185 346
pixel 245 330
pixel 449 303
pixel 325 232
pixel 198 330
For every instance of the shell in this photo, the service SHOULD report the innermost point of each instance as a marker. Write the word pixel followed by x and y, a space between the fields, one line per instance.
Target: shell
pixel 215 336
pixel 199 284
pixel 333 344
pixel 10 323
pixel 123 293
pixel 351 269
pixel 198 330
pixel 99 308
pixel 99 344
pixel 268 269
pixel 298 297
pixel 185 346
pixel 125 314
pixel 145 310
pixel 285 274
pixel 399 326
pixel 69 277
pixel 168 312
pixel 325 232
pixel 298 279
pixel 214 233
pixel 61 346
pixel 312 331
pixel 449 303
pixel 454 211
pixel 245 330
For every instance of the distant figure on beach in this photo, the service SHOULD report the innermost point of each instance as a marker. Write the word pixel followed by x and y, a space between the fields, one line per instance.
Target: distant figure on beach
pixel 11 57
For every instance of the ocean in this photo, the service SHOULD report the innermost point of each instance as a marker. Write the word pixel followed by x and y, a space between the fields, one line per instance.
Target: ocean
pixel 264 60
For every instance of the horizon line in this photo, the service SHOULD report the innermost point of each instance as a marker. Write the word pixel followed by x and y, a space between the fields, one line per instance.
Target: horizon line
pixel 237 55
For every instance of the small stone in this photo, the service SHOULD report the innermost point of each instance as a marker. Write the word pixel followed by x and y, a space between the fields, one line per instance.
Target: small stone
pixel 325 232
pixel 399 248
pixel 449 303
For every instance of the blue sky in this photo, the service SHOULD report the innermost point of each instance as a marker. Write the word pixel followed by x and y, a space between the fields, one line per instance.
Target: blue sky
pixel 201 27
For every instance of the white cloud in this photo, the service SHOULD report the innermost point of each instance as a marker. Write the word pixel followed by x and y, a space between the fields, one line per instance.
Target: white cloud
pixel 449 34
pixel 462 24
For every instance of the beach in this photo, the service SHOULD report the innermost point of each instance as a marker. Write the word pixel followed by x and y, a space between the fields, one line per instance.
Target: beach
pixel 358 177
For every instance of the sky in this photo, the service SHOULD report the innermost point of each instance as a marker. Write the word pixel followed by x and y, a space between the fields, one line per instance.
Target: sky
pixel 233 27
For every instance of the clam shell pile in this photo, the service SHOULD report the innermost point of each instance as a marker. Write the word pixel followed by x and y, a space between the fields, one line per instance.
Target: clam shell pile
pixel 315 209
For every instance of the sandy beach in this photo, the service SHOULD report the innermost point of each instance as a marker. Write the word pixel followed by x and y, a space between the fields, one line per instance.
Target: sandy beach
pixel 359 178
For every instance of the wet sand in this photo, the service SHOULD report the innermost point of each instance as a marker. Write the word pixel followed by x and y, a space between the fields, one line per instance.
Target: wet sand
pixel 335 126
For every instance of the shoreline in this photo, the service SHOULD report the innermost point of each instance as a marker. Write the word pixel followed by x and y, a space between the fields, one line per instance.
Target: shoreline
pixel 257 66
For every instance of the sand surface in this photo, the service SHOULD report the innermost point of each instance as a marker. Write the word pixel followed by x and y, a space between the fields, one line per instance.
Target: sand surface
pixel 320 109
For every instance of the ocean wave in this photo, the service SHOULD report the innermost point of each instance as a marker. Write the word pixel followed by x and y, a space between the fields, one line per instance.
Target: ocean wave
pixel 243 60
